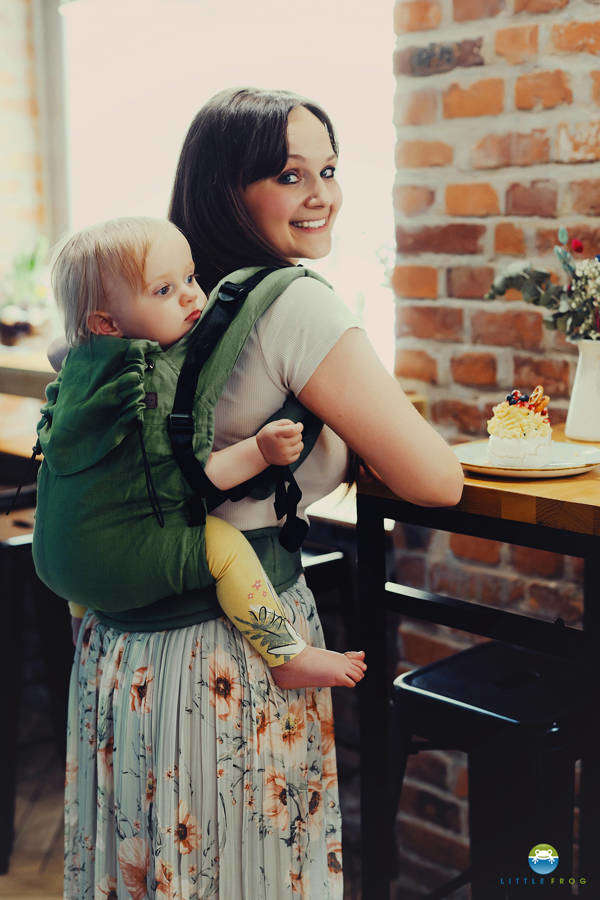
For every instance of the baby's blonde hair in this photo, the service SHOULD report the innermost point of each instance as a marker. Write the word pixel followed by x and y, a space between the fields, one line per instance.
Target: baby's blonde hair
pixel 86 265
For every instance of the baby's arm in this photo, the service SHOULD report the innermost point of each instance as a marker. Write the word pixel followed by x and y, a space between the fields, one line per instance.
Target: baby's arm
pixel 277 443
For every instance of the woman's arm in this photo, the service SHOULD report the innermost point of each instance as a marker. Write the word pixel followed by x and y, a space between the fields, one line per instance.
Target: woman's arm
pixel 278 443
pixel 353 393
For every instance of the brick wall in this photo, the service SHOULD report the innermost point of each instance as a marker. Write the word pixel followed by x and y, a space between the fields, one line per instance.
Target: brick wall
pixel 23 212
pixel 498 124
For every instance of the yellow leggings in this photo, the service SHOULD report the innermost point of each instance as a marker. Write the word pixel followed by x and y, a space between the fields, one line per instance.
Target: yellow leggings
pixel 246 595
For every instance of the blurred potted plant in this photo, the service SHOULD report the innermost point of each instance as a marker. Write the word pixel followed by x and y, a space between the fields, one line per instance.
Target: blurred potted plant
pixel 25 299
pixel 573 309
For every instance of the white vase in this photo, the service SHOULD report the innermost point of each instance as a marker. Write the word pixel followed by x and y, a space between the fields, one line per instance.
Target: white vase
pixel 583 418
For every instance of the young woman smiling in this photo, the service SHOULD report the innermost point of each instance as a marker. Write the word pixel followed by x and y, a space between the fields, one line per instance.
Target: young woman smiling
pixel 190 773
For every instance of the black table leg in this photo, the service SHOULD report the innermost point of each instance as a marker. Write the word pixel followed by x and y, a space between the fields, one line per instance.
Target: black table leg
pixel 377 833
pixel 589 831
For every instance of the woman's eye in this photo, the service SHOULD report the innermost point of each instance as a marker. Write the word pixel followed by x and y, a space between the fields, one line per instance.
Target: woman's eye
pixel 288 178
pixel 328 172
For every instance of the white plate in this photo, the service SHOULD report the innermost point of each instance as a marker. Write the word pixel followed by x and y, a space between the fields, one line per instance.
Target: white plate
pixel 566 459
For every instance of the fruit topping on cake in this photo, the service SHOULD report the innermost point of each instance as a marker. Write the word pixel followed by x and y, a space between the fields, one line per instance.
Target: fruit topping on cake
pixel 520 433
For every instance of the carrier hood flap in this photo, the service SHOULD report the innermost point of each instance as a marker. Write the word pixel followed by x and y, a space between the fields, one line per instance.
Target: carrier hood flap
pixel 94 403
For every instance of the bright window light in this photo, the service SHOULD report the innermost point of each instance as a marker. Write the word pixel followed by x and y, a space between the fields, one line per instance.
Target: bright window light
pixel 139 70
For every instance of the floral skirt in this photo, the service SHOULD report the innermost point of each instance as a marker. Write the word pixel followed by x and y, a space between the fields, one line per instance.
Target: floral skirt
pixel 190 774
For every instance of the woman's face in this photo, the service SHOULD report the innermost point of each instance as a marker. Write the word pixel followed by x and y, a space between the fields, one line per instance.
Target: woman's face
pixel 295 210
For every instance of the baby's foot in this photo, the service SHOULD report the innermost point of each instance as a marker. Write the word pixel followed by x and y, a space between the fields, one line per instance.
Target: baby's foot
pixel 314 667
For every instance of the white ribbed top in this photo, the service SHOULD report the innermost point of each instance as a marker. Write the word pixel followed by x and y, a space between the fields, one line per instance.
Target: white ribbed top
pixel 281 353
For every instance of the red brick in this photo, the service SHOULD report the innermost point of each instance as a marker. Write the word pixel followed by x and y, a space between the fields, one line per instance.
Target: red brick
pixel 418 282
pixel 426 806
pixel 502 591
pixel 437 323
pixel 549 602
pixel 539 198
pixel 577 37
pixel 509 239
pixel 517 44
pixel 483 98
pixel 539 6
pixel 477 369
pixel 469 282
pixel 410 569
pixel 454 581
pixel 585 196
pixel 415 364
pixel 435 844
pixel 471 200
pixel 476 549
pixel 461 787
pixel 417 107
pixel 595 86
pixel 543 90
pixel 413 199
pixel 546 238
pixel 417 15
pixel 455 238
pixel 495 151
pixel 421 649
pixel 537 562
pixel 436 58
pixel 419 154
pixel 552 373
pixel 560 342
pixel 465 10
pixel 578 141
pixel 431 768
pixel 522 329
pixel 466 416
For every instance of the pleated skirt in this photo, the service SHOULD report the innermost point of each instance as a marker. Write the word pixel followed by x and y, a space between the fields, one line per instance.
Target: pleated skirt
pixel 191 775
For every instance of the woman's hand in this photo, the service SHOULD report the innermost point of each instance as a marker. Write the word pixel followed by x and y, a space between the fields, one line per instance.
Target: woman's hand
pixel 353 393
pixel 280 442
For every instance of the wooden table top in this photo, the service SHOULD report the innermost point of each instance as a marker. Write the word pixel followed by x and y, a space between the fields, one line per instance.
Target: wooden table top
pixel 24 368
pixel 571 503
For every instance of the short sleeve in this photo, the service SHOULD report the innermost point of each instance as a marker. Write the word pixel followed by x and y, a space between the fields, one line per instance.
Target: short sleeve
pixel 299 329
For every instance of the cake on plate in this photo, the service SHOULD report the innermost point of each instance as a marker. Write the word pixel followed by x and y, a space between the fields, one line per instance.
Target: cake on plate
pixel 520 433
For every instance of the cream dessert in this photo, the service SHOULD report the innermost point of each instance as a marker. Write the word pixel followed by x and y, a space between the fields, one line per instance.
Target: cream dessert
pixel 520 433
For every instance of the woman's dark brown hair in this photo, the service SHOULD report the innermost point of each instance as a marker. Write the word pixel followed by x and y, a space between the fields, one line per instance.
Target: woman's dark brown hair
pixel 238 137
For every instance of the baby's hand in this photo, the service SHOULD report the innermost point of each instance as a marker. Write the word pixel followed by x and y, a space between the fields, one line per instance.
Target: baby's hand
pixel 280 442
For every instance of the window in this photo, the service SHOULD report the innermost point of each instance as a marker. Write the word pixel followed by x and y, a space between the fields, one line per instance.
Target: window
pixel 138 70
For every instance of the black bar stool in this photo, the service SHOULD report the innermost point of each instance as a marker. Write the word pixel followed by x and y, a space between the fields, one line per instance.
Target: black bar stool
pixel 520 717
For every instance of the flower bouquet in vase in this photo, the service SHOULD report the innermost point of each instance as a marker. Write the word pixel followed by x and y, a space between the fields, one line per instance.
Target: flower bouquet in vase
pixel 573 309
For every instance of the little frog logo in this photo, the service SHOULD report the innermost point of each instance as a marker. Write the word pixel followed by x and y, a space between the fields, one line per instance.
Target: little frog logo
pixel 543 859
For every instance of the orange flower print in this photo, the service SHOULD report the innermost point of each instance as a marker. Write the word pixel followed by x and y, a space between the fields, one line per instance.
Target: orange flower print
pixel 334 858
pixel 71 771
pixel 327 733
pixel 292 726
pixel 163 873
pixel 329 774
pixel 186 834
pixel 297 880
pixel 140 692
pixel 276 799
pixel 263 721
pixel 134 859
pixel 225 689
pixel 150 788
pixel 106 756
pixel 315 806
pixel 106 888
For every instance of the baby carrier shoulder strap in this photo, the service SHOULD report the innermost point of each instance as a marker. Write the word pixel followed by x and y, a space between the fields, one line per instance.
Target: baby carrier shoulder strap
pixel 234 306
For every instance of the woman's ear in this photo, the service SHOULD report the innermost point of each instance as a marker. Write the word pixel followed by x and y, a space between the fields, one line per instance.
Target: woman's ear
pixel 100 322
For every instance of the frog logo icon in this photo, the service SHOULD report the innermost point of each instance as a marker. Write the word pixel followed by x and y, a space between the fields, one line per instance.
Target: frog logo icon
pixel 543 859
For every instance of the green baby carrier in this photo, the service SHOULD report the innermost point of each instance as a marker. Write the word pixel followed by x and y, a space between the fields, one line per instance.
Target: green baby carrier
pixel 125 433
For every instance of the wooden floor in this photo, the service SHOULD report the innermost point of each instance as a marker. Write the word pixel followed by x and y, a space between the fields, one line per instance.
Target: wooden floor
pixel 36 866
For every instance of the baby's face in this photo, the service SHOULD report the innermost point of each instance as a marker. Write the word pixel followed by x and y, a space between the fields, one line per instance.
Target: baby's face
pixel 171 301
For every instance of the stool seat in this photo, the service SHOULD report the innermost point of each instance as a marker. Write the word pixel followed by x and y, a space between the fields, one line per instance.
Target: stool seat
pixel 519 715
pixel 500 681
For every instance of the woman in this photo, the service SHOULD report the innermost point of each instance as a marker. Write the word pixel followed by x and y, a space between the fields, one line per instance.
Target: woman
pixel 189 773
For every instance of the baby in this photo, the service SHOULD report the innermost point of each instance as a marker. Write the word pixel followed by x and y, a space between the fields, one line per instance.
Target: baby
pixel 120 286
